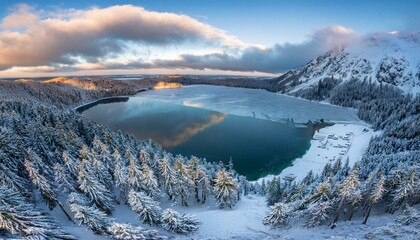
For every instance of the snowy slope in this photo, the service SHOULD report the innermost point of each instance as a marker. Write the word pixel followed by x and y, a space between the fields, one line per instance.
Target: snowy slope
pixel 391 58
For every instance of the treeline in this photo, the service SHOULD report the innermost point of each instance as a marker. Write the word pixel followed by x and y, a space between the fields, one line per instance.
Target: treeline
pixel 58 157
pixel 69 92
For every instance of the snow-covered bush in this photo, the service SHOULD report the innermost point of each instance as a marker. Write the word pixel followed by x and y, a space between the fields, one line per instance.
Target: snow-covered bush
pixel 409 216
pixel 175 222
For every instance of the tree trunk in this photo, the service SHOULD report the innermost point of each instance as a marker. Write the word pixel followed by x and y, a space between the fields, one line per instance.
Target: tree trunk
pixel 64 211
pixel 367 214
pixel 337 216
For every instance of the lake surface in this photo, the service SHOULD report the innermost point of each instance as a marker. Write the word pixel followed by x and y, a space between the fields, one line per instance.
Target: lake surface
pixel 219 123
pixel 257 147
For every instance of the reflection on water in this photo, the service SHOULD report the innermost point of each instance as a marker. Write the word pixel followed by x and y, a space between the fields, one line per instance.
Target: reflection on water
pixel 185 132
pixel 257 147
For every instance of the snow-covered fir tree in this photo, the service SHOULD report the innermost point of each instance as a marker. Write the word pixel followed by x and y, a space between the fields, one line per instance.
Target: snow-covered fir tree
pixel 120 231
pixel 63 179
pixel 407 191
pixel 88 214
pixel 225 189
pixel 319 213
pixel 278 216
pixel 175 222
pixel 39 180
pixel 196 176
pixel 134 171
pixel 148 180
pixel 146 208
pixel 18 217
pixel 170 182
pixel 346 190
pixel 184 183
pixel 92 187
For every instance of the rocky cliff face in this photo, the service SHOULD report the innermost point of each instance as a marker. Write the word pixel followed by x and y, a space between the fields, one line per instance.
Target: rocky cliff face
pixel 388 58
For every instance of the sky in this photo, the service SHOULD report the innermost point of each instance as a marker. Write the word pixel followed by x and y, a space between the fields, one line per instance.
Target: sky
pixel 53 37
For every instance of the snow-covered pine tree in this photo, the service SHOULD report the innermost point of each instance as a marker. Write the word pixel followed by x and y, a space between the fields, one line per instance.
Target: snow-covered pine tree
pixel 134 172
pixel 273 192
pixel 196 176
pixel 263 190
pixel 148 180
pixel 407 191
pixel 70 163
pixel 206 188
pixel 375 195
pixel 39 180
pixel 169 178
pixel 63 179
pixel 120 231
pixel 354 202
pixel 346 190
pixel 175 222
pixel 17 216
pixel 121 179
pixel 92 187
pixel 318 213
pixel 321 194
pixel 88 214
pixel 144 157
pixel 101 169
pixel 278 216
pixel 184 182
pixel 148 209
pixel 224 189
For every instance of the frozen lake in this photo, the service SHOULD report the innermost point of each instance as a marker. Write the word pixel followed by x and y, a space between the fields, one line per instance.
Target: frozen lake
pixel 253 103
pixel 221 123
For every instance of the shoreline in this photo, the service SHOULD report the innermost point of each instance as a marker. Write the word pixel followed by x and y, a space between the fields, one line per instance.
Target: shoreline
pixel 104 100
pixel 316 157
pixel 329 144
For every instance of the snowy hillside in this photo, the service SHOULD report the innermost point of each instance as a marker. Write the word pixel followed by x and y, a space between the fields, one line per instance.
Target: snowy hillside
pixel 391 58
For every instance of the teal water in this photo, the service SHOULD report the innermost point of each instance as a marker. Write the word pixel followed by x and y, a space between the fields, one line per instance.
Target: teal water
pixel 257 147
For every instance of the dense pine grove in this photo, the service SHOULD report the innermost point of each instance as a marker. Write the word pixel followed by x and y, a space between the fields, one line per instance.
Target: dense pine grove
pixel 387 176
pixel 58 157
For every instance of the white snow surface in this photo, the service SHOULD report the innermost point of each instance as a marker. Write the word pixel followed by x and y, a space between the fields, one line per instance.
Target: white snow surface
pixel 252 103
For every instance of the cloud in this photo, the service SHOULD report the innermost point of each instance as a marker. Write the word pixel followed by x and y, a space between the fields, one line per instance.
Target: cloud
pixel 276 59
pixel 96 33
pixel 21 17
pixel 113 38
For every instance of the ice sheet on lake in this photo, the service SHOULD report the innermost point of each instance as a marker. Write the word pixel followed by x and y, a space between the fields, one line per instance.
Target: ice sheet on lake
pixel 253 103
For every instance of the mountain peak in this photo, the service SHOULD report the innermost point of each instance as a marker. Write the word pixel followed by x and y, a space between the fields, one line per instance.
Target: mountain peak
pixel 388 58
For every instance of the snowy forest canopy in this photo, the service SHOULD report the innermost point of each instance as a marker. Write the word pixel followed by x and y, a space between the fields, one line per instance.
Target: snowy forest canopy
pixel 50 153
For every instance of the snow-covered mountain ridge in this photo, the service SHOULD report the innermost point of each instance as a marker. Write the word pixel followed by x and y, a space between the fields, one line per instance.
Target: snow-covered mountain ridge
pixel 389 58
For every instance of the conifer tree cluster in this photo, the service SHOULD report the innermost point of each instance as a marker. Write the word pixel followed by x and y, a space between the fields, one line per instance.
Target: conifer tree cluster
pixel 73 163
